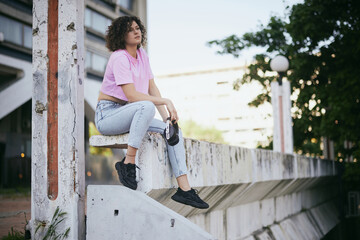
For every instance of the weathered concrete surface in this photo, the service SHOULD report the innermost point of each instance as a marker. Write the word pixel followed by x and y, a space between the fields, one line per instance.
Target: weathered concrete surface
pixel 116 212
pixel 283 134
pixel 247 189
pixel 69 185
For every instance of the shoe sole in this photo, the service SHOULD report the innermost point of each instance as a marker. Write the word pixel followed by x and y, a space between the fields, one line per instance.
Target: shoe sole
pixel 190 203
pixel 122 180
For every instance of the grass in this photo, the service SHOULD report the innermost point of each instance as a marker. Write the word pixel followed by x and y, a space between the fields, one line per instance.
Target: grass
pixel 51 233
pixel 14 235
pixel 15 192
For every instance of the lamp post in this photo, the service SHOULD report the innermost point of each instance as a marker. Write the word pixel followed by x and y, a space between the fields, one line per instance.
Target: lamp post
pixel 283 136
pixel 279 64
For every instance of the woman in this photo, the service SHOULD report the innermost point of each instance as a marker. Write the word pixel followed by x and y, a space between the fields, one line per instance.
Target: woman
pixel 127 101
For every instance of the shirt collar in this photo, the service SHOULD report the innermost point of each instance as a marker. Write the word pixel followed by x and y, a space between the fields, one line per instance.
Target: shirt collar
pixel 132 59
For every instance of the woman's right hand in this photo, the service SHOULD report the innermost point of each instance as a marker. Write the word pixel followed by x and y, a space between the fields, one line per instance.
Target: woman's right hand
pixel 172 111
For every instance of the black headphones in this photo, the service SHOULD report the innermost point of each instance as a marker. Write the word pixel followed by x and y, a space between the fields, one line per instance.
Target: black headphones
pixel 171 132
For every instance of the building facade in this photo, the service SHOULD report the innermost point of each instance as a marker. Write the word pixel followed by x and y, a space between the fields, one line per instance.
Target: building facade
pixel 207 97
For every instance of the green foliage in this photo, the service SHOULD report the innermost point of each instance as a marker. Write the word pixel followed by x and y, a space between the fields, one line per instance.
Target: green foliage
pixel 321 38
pixel 15 192
pixel 194 130
pixel 351 177
pixel 14 234
pixel 96 150
pixel 269 146
pixel 51 232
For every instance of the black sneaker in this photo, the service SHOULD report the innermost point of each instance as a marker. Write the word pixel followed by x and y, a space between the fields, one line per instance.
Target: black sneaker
pixel 127 174
pixel 190 197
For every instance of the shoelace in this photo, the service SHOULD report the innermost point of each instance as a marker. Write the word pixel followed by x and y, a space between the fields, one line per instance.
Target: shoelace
pixel 195 195
pixel 132 170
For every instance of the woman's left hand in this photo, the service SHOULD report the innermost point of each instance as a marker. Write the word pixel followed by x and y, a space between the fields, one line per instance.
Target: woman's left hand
pixel 172 111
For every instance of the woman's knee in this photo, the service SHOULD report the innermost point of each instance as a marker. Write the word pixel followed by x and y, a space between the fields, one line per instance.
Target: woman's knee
pixel 148 107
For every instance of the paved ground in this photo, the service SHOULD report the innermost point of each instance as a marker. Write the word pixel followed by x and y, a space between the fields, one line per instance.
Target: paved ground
pixel 12 213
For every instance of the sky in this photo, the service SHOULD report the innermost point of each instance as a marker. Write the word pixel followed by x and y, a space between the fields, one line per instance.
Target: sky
pixel 178 31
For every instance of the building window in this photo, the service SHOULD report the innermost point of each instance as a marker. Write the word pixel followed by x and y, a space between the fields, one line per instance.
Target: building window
pixel 96 21
pixel 16 32
pixel 128 4
pixel 95 62
pixel 224 119
pixel 222 82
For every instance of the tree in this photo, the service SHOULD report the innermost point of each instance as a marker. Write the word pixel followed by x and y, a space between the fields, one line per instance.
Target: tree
pixel 321 38
pixel 97 150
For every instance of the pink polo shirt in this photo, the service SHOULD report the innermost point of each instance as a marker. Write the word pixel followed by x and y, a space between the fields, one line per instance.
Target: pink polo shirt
pixel 122 68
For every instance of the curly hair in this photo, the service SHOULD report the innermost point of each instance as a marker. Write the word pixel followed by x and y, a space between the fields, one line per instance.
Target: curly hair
pixel 116 32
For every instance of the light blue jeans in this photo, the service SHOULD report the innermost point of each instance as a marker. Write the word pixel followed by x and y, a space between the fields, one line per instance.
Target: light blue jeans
pixel 137 118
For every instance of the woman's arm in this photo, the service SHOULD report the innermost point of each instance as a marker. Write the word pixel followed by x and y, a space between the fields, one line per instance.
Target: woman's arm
pixel 154 91
pixel 133 96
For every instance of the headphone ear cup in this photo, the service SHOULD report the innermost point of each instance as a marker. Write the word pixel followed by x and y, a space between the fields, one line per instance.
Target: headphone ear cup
pixel 173 133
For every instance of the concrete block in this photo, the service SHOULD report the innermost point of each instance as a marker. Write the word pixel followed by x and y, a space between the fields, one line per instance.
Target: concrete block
pixel 315 196
pixel 215 224
pixel 199 220
pixel 309 229
pixel 212 222
pixel 278 232
pixel 251 237
pixel 326 216
pixel 116 141
pixel 267 208
pixel 290 229
pixel 310 224
pixel 303 166
pixel 116 212
pixel 287 205
pixel 267 164
pixel 265 235
pixel 243 220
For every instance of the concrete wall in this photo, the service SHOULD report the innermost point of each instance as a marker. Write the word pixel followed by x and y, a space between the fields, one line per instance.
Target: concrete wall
pixel 116 212
pixel 251 192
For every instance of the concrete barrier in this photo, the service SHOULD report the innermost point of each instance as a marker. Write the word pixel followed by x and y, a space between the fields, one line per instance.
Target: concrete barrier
pixel 116 212
pixel 251 192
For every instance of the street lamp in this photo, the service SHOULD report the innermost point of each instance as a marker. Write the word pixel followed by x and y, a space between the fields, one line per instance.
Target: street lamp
pixel 283 136
pixel 279 64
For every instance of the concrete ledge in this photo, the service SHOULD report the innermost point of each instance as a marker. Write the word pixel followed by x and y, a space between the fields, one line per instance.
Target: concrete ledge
pixel 223 171
pixel 116 141
pixel 238 183
pixel 212 164
pixel 116 212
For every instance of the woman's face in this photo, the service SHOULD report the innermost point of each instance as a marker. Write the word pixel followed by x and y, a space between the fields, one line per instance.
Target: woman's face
pixel 133 37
